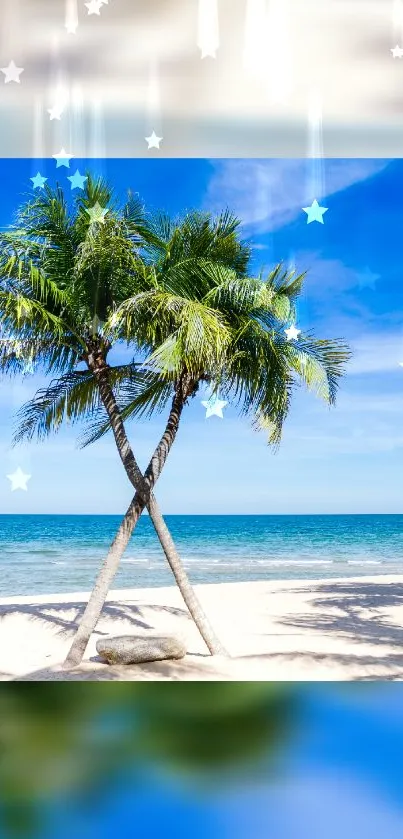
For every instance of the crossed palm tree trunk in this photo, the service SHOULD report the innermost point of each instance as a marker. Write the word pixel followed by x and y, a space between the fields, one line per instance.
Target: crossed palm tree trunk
pixel 143 499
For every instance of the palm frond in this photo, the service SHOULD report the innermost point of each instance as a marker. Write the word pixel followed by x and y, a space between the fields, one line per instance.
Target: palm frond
pixel 70 397
pixel 141 395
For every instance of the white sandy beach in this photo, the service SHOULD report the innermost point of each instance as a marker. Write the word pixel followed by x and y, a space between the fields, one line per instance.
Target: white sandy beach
pixel 344 629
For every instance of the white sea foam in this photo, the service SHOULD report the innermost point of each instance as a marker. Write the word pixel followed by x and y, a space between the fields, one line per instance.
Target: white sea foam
pixel 135 561
pixel 295 561
pixel 364 562
pixel 248 563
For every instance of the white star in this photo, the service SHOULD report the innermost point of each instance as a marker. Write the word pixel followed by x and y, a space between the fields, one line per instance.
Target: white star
pixel 315 212
pixel 153 141
pixel 397 52
pixel 209 52
pixel 208 35
pixel 62 159
pixel 214 407
pixel 12 73
pixel 97 213
pixel 94 7
pixel 55 112
pixel 292 333
pixel 71 27
pixel 18 480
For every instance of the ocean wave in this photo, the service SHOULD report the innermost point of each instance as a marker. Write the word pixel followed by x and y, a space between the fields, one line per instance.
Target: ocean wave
pixel 136 561
pixel 278 562
pixel 249 563
pixel 364 562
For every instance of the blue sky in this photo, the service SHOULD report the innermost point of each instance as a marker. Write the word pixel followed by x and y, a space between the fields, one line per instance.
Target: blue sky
pixel 340 460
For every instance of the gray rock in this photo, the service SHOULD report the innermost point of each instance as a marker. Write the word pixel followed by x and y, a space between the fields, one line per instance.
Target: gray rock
pixel 132 649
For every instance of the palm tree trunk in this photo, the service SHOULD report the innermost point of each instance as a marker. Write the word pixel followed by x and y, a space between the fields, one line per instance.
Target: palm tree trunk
pixel 143 498
pixel 102 585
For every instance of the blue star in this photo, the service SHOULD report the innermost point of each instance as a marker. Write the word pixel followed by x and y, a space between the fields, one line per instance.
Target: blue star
pixel 315 212
pixel 62 159
pixel 77 180
pixel 367 278
pixel 38 181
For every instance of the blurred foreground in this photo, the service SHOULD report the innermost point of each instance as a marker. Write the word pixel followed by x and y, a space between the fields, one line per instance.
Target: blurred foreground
pixel 243 760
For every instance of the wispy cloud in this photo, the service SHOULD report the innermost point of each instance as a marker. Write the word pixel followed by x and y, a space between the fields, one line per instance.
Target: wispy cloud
pixel 381 403
pixel 300 808
pixel 270 193
pixel 377 353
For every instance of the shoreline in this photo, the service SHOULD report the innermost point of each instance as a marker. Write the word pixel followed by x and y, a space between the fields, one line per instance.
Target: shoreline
pixel 138 591
pixel 337 629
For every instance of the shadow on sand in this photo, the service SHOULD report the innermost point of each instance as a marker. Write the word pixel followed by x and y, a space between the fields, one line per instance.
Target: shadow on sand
pixel 353 611
pixel 357 611
pixel 54 614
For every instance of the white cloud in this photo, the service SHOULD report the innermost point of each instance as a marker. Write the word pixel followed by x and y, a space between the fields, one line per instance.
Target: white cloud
pixel 377 353
pixel 389 403
pixel 270 193
pixel 354 441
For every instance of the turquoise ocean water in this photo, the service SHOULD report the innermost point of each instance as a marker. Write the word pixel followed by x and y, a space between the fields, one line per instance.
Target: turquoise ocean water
pixel 52 554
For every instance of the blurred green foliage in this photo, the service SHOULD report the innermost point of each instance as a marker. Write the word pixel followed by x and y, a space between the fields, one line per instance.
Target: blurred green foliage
pixel 74 739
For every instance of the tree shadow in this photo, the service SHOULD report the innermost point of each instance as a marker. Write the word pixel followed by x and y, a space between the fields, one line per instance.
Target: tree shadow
pixel 378 665
pixel 116 611
pixel 92 670
pixel 352 610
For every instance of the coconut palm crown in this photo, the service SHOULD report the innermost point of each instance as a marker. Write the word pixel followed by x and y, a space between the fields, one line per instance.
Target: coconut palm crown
pixel 178 293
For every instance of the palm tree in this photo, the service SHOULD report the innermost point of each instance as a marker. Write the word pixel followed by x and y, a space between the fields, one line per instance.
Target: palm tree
pixel 62 275
pixel 201 320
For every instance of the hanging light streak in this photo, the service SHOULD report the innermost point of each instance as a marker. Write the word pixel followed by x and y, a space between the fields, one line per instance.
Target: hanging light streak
pixel 71 17
pixel 315 178
pixel 153 104
pixel 279 52
pixel 38 135
pixel 208 28
pixel 77 139
pixel 267 50
pixel 97 148
pixel 254 57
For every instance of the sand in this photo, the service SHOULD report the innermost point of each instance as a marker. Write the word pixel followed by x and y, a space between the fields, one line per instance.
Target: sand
pixel 316 630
